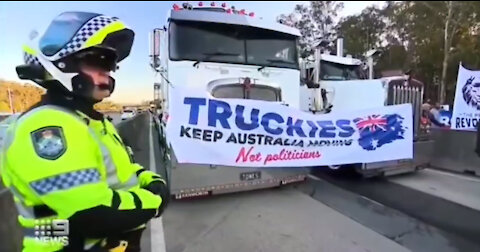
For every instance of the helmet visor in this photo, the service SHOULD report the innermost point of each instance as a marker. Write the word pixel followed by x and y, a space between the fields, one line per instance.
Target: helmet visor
pixel 62 29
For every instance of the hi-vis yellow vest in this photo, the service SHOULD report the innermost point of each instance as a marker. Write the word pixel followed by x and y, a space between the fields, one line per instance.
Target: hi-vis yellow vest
pixel 58 158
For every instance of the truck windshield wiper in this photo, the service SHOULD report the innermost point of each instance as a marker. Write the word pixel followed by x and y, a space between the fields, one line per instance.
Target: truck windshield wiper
pixel 210 55
pixel 275 61
pixel 280 61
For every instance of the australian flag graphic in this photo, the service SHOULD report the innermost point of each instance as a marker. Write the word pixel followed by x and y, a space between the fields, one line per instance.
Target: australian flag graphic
pixel 377 130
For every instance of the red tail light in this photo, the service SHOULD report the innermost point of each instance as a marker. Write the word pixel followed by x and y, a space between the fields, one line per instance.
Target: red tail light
pixel 251 14
pixel 242 12
pixel 200 4
pixel 229 11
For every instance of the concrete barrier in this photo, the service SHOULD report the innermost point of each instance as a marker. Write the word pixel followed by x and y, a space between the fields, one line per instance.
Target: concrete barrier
pixel 130 129
pixel 455 151
pixel 10 232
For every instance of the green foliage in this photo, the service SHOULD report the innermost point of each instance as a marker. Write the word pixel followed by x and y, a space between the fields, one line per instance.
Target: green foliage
pixel 362 32
pixel 409 35
pixel 315 22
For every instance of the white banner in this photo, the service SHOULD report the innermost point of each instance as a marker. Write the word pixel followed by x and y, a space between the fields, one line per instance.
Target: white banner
pixel 466 108
pixel 249 133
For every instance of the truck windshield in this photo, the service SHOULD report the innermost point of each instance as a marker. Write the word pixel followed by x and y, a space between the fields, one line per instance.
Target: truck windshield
pixel 225 43
pixel 335 71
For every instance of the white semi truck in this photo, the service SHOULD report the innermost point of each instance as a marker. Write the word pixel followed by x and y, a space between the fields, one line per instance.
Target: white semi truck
pixel 230 54
pixel 337 83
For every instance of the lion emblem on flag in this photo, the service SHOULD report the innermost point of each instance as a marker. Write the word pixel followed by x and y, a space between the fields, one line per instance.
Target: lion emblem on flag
pixel 471 93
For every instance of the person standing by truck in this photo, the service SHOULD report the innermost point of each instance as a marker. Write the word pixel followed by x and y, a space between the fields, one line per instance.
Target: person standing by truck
pixel 62 159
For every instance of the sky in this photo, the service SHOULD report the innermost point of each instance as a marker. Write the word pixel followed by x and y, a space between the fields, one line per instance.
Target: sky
pixel 134 80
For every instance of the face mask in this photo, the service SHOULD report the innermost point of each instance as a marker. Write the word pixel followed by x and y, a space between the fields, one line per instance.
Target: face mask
pixel 83 85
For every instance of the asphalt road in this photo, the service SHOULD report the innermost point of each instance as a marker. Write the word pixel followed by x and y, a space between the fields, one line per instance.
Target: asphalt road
pixel 418 220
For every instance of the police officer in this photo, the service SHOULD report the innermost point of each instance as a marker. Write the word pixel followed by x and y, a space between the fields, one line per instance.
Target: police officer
pixel 62 159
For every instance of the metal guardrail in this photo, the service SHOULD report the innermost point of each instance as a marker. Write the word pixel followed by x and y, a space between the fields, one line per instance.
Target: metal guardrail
pixel 10 232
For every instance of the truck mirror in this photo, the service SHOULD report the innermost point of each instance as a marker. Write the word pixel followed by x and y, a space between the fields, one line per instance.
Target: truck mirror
pixel 155 41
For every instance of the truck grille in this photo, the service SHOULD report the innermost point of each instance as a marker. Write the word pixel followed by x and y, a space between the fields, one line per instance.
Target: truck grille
pixel 401 91
pixel 253 92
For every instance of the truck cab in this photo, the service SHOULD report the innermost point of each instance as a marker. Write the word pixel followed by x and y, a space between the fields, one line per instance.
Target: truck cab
pixel 230 54
pixel 340 83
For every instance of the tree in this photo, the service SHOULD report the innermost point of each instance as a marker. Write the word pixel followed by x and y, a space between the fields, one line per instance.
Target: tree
pixel 392 57
pixel 436 36
pixel 362 32
pixel 315 22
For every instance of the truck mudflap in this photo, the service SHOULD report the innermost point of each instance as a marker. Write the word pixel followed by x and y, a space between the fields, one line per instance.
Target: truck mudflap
pixel 422 153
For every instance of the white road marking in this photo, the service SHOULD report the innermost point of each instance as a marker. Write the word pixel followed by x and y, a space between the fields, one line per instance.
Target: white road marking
pixel 460 176
pixel 157 236
pixel 314 177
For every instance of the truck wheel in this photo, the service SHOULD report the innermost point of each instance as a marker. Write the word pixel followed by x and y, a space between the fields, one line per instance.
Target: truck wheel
pixel 343 170
pixel 334 167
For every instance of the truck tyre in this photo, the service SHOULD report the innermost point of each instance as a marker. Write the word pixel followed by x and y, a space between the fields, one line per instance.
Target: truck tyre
pixel 343 170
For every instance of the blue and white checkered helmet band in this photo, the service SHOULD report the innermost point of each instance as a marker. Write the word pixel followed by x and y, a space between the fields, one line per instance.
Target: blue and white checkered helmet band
pixel 83 34
pixel 30 59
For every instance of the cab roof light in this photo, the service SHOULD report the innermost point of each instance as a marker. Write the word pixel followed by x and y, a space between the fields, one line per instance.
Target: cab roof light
pixel 176 7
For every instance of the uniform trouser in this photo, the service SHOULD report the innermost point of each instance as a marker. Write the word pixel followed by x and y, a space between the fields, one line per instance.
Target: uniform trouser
pixel 132 237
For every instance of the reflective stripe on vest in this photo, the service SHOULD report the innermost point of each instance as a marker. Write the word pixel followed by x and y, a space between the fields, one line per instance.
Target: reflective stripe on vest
pixel 111 170
pixel 112 176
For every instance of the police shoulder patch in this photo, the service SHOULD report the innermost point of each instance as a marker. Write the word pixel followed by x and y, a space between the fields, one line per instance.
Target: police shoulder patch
pixel 49 142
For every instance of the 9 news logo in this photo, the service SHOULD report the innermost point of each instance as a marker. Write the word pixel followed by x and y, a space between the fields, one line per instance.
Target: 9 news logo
pixel 52 231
